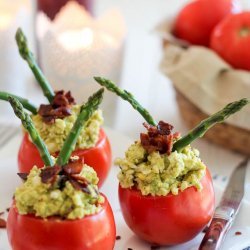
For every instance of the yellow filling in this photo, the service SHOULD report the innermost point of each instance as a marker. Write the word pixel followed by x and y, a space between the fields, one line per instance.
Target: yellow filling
pixel 160 174
pixel 55 134
pixel 44 200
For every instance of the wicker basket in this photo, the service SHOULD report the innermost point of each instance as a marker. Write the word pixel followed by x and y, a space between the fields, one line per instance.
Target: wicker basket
pixel 196 72
pixel 226 135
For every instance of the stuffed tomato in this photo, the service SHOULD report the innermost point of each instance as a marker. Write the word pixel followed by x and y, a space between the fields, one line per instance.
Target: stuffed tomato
pixel 166 197
pixel 166 192
pixel 61 208
pixel 92 143
pixel 93 232
pixel 98 156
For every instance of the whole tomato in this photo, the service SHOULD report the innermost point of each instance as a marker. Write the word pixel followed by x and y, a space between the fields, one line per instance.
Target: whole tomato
pixel 94 232
pixel 197 19
pixel 231 40
pixel 98 157
pixel 171 219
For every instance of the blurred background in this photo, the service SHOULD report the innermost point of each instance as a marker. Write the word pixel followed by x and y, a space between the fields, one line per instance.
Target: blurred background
pixel 74 40
pixel 130 42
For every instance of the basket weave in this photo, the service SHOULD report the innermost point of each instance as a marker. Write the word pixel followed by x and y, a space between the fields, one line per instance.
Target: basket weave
pixel 228 136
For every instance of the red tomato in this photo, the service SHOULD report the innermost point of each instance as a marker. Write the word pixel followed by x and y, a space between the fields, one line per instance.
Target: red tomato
pixel 171 219
pixel 231 40
pixel 197 19
pixel 99 157
pixel 94 232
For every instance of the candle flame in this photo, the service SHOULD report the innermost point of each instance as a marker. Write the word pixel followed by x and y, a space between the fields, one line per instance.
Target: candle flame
pixel 76 40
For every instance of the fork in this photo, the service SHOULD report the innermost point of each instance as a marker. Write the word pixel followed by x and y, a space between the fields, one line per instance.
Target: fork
pixel 7 132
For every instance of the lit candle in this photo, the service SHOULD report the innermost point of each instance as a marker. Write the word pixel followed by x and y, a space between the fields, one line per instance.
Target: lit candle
pixel 73 50
pixel 14 74
pixel 83 39
pixel 75 40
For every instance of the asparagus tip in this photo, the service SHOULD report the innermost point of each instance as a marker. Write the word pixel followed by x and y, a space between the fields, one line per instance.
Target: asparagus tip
pixel 206 124
pixel 100 79
pixel 97 93
pixel 96 98
pixel 100 91
pixel 17 107
pixel 21 42
pixel 97 78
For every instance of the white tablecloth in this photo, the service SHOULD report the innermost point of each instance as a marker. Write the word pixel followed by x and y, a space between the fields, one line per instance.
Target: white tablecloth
pixel 142 77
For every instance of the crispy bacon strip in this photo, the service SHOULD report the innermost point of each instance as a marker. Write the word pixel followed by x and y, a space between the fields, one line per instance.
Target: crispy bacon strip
pixel 158 138
pixel 73 167
pixel 70 172
pixel 23 176
pixel 59 108
pixel 79 186
pixel 49 174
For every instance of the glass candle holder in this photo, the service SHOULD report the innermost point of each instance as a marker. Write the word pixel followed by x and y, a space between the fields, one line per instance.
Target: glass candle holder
pixel 75 47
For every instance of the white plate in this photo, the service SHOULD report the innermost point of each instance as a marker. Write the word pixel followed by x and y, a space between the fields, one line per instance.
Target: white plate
pixel 9 180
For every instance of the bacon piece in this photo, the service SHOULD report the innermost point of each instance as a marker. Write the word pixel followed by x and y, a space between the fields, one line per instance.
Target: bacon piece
pixel 80 179
pixel 73 167
pixel 158 138
pixel 49 174
pixel 70 98
pixel 79 186
pixel 70 172
pixel 83 182
pixel 23 176
pixel 62 99
pixel 49 113
pixel 164 128
pixel 59 108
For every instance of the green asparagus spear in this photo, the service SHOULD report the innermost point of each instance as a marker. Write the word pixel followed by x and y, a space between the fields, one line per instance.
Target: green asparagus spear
pixel 206 124
pixel 125 95
pixel 28 56
pixel 28 125
pixel 86 112
pixel 25 102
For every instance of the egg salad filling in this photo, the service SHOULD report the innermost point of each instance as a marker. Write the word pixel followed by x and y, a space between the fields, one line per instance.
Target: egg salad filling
pixel 160 174
pixel 54 199
pixel 55 134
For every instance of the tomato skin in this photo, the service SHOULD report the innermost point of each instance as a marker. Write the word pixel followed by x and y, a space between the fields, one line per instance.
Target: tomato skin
pixel 99 157
pixel 197 19
pixel 231 39
pixel 171 219
pixel 94 232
